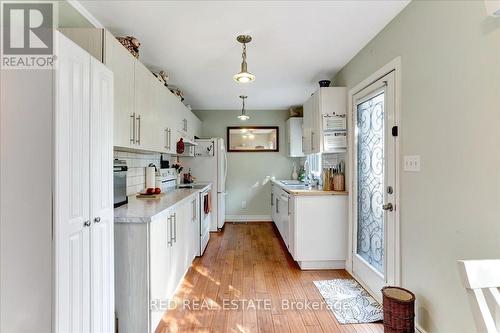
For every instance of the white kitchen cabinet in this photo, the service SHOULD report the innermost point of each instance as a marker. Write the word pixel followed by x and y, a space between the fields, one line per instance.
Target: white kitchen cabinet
pixel 151 261
pixel 56 268
pixel 148 117
pixel 122 64
pixel 84 258
pixel 162 283
pixel 327 102
pixel 294 137
pixel 313 227
pixel 101 199
pixel 144 107
pixel 274 202
pixel 320 242
pixel 72 169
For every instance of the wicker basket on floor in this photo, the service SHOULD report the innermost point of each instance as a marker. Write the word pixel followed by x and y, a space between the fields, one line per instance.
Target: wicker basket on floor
pixel 399 310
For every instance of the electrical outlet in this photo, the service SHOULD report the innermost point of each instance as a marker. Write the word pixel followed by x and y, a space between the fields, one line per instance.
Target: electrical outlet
pixel 412 163
pixel 243 204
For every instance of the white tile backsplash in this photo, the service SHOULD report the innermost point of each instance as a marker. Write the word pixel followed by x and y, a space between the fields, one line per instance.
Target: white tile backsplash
pixel 136 162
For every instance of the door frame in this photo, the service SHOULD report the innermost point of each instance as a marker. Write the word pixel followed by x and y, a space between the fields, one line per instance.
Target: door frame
pixel 394 65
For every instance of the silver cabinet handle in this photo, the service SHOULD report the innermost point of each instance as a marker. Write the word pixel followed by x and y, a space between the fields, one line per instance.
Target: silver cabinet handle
pixel 312 140
pixel 272 199
pixel 194 210
pixel 166 138
pixel 86 223
pixel 388 207
pixel 169 242
pixel 169 138
pixel 132 136
pixel 97 219
pixel 138 140
pixel 277 206
pixel 175 228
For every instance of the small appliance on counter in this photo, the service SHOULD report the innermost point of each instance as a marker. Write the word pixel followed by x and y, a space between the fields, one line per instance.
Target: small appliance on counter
pixel 120 183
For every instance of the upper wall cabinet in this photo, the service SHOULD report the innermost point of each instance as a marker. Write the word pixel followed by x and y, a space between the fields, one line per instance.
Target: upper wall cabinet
pixel 294 137
pixel 325 121
pixel 147 116
pixel 122 63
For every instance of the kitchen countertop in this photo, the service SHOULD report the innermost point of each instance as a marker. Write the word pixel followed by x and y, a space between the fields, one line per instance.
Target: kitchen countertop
pixel 306 190
pixel 144 210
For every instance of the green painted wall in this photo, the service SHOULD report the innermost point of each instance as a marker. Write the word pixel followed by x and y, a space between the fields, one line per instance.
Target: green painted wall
pixel 249 173
pixel 450 53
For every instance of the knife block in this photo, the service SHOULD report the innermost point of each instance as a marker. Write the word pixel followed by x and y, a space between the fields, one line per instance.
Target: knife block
pixel 338 182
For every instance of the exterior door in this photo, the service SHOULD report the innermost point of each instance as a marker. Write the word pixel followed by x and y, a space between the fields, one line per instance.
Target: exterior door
pixel 72 190
pixel 101 201
pixel 374 180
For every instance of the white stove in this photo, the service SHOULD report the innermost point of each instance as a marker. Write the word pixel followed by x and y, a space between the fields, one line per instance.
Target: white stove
pixel 166 179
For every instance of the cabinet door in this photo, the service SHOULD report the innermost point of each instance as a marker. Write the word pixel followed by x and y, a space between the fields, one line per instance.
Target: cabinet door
pixel 294 137
pixel 161 282
pixel 307 126
pixel 273 202
pixel 145 120
pixel 291 227
pixel 101 198
pixel 178 257
pixel 315 123
pixel 160 126
pixel 72 190
pixel 121 63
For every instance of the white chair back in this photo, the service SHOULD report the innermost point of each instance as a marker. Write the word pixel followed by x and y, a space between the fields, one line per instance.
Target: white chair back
pixel 481 278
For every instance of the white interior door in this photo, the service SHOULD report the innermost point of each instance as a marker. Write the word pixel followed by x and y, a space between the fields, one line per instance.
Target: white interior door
pixel 101 199
pixel 374 184
pixel 72 190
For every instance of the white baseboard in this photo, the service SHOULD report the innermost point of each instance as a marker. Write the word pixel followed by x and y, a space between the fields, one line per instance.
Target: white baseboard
pixel 248 218
pixel 315 265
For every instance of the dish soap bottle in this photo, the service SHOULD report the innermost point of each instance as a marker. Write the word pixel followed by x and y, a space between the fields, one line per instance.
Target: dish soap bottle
pixel 294 172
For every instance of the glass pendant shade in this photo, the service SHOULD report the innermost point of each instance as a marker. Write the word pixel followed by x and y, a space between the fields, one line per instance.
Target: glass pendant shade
pixel 244 76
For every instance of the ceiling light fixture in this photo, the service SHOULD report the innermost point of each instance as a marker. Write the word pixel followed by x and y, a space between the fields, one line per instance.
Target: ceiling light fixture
pixel 243 115
pixel 244 76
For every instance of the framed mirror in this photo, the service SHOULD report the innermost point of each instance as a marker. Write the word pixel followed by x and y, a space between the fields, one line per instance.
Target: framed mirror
pixel 253 139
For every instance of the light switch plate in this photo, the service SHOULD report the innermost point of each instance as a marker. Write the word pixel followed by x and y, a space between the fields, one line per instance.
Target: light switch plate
pixel 412 163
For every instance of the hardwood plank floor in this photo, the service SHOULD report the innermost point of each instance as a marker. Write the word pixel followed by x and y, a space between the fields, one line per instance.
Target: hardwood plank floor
pixel 241 284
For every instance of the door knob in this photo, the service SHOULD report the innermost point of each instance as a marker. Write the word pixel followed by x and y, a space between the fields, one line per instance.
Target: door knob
pixel 388 207
pixel 97 219
pixel 86 223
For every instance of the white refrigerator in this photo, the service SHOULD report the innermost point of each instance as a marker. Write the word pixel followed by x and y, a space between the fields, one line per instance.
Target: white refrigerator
pixel 209 165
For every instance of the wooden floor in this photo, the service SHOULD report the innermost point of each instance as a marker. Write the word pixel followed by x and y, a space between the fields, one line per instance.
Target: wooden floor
pixel 244 270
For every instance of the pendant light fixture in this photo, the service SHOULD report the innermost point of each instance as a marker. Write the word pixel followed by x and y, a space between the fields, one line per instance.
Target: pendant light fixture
pixel 243 116
pixel 244 76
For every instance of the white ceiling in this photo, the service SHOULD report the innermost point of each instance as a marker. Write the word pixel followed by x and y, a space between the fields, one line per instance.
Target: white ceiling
pixel 295 44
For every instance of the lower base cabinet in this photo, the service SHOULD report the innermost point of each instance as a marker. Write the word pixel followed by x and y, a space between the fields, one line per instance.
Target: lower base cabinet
pixel 313 228
pixel 151 260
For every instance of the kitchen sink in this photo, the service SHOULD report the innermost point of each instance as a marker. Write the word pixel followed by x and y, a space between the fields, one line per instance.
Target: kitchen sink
pixel 292 183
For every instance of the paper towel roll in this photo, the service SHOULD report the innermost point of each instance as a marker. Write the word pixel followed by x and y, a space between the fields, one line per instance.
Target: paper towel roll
pixel 150 177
